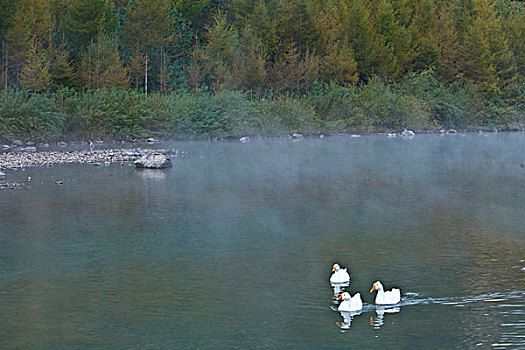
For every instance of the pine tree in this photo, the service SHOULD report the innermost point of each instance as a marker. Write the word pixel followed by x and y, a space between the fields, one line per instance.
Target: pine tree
pixel 447 38
pixel 199 69
pixel 256 16
pixel 222 42
pixel 60 68
pixel 17 45
pixel 395 43
pixel 8 10
pixel 85 20
pixel 485 56
pixel 249 68
pixel 148 28
pixel 136 67
pixel 339 64
pixel 101 66
pixel 515 29
pixel 35 75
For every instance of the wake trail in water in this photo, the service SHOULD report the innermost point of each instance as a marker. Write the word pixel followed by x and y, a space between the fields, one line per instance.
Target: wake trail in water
pixel 410 299
pixel 415 299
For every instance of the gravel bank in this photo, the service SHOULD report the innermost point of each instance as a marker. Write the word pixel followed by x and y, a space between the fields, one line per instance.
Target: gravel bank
pixel 13 160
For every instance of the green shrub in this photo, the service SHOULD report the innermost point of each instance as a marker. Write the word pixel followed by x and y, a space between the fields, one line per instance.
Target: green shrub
pixel 29 116
pixel 103 114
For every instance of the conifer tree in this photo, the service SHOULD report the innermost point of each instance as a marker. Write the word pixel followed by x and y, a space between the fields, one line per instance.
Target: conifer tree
pixel 17 45
pixel 60 67
pixel 35 75
pixel 222 43
pixel 249 68
pixel 485 56
pixel 515 29
pixel 339 64
pixel 148 28
pixel 256 16
pixel 396 54
pixel 447 38
pixel 85 20
pixel 101 66
pixel 199 68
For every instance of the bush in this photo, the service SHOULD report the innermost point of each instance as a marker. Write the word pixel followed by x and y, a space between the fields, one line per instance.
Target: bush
pixel 113 115
pixel 29 116
pixel 385 108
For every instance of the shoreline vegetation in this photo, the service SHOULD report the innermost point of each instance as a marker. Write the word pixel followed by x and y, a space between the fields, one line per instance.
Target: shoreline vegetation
pixel 420 103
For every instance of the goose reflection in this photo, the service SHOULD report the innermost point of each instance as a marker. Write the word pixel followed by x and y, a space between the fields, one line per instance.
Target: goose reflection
pixel 339 288
pixel 347 316
pixel 379 320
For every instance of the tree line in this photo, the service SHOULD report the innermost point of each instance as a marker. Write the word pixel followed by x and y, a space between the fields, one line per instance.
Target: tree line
pixel 256 45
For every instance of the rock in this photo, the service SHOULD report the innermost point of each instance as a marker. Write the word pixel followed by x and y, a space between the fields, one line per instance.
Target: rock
pixel 452 132
pixel 30 143
pixel 62 144
pixel 244 139
pixel 131 153
pixel 153 161
pixel 17 143
pixel 407 133
pixel 6 147
pixel 152 140
pixel 28 149
pixel 297 136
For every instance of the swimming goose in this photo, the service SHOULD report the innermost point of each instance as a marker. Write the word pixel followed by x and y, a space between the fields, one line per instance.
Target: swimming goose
pixel 340 275
pixel 386 297
pixel 350 303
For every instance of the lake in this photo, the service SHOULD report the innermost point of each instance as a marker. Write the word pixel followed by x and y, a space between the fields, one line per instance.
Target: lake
pixel 233 247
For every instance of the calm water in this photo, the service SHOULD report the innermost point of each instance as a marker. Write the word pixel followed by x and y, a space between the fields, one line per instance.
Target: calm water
pixel 232 248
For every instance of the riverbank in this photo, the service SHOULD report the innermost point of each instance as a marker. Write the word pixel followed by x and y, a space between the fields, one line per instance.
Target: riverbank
pixel 421 103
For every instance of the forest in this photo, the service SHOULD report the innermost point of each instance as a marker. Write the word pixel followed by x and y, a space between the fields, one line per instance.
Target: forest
pixel 129 69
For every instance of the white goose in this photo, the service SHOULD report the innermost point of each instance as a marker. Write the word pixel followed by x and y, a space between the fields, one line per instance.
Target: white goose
pixel 340 275
pixel 350 303
pixel 388 297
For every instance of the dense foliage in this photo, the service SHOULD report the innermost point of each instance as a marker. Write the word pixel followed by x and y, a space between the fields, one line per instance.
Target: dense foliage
pixel 217 68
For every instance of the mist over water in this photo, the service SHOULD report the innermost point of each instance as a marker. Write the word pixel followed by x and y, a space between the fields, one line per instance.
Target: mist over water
pixel 233 246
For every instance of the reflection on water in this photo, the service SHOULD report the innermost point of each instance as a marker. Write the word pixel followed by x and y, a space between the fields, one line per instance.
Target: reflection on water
pixel 377 321
pixel 229 249
pixel 153 174
pixel 339 288
pixel 347 316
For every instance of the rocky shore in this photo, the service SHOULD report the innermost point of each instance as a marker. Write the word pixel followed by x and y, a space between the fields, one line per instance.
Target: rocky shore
pixel 24 159
pixel 16 160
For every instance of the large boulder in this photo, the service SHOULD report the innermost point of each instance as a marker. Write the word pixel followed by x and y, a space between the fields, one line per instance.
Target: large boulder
pixel 153 161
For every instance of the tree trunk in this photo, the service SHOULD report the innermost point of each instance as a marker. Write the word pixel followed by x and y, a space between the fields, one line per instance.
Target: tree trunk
pixel 5 64
pixel 146 79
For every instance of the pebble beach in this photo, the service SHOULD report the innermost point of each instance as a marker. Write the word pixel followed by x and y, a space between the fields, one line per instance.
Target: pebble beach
pixel 14 160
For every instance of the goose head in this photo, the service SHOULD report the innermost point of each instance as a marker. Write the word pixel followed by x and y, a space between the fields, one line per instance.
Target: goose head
pixel 336 267
pixel 344 296
pixel 376 286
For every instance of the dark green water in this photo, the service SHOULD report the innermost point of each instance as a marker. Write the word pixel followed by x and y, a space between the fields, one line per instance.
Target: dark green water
pixel 232 248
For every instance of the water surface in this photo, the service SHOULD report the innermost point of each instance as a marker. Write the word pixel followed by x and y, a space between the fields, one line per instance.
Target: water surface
pixel 232 248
